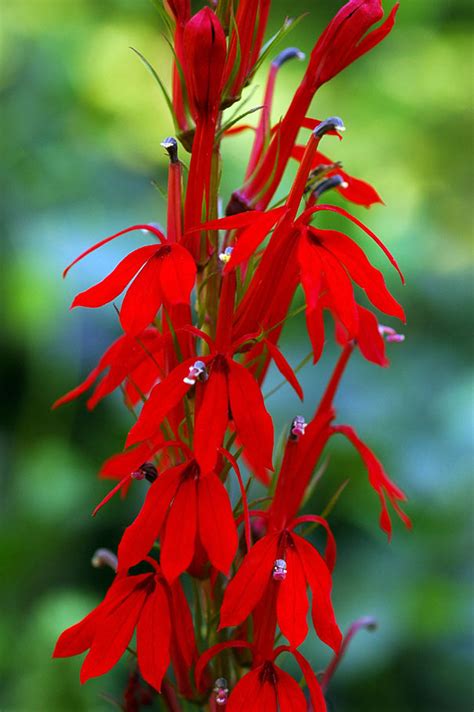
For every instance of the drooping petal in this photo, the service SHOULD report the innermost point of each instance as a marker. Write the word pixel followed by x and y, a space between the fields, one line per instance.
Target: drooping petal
pixel 319 579
pixel 143 298
pixel 289 694
pixel 247 587
pixel 245 693
pixel 177 274
pixel 138 538
pixel 361 271
pixel 216 522
pixel 111 286
pixel 252 421
pixel 315 691
pixel 212 416
pixel 147 228
pixel 340 211
pixel 79 637
pixel 184 652
pixel 162 399
pixel 378 479
pixel 153 637
pixel 114 633
pixel 341 291
pixel 292 601
pixel 250 239
pixel 284 367
pixel 180 531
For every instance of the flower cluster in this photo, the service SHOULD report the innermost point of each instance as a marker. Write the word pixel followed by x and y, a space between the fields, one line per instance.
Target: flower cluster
pixel 202 315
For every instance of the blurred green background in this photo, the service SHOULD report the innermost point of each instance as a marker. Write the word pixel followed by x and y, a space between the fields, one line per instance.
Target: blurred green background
pixel 81 127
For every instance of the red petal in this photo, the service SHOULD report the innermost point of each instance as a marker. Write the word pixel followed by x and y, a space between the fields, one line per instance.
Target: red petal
pixel 358 191
pixel 180 532
pixel 252 422
pixel 378 479
pixel 311 269
pixel 289 693
pixel 247 587
pixel 292 601
pixel 284 367
pixel 177 275
pixel 138 538
pixel 245 694
pixel 319 579
pixel 114 284
pixel 233 222
pixel 216 522
pixel 315 691
pixel 143 298
pixel 361 271
pixel 153 637
pixel 78 390
pixel 148 228
pixel 162 399
pixel 370 341
pixel 253 236
pixel 212 416
pixel 115 632
pixel 376 36
pixel 341 292
pixel 340 211
pixel 211 652
pixel 79 637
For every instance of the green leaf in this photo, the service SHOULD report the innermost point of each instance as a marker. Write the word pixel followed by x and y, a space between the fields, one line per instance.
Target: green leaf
pixel 160 84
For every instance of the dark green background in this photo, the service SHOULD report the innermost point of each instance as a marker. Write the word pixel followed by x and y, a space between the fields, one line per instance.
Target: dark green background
pixel 81 126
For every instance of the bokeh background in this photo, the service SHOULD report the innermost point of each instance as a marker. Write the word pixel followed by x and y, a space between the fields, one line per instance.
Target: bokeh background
pixel 81 127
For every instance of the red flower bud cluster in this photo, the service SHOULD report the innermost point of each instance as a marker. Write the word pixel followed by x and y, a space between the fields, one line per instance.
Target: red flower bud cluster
pixel 202 316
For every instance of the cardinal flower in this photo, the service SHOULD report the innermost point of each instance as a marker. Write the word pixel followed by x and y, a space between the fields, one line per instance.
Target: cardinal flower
pixel 341 43
pixel 283 564
pixel 266 688
pixel 162 274
pixel 132 602
pixel 224 391
pixel 184 506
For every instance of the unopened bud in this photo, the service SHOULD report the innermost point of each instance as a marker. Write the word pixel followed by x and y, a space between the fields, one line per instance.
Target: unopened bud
pixel 334 123
pixel 221 691
pixel 171 146
pixel 196 372
pixel 225 256
pixel 286 55
pixel 336 181
pixel 104 557
pixel 279 570
pixel 298 427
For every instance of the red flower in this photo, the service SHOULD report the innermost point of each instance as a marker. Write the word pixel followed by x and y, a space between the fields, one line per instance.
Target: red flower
pixel 341 43
pixel 164 275
pixel 267 688
pixel 132 602
pixel 285 562
pixel 183 506
pixel 225 391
